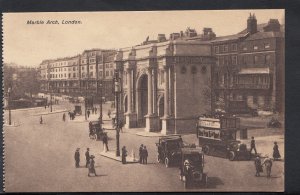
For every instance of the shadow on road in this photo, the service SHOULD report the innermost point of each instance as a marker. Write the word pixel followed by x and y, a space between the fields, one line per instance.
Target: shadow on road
pixel 213 182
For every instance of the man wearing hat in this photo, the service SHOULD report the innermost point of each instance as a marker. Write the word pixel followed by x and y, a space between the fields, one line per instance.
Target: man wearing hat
pixel 87 157
pixel 77 158
pixel 252 146
pixel 92 166
pixel 258 166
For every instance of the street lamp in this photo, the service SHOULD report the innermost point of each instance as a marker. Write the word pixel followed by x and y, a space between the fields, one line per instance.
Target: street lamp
pixel 101 104
pixel 117 93
pixel 9 111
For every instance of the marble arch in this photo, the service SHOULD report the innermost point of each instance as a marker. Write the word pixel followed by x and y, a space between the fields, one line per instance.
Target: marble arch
pixel 164 76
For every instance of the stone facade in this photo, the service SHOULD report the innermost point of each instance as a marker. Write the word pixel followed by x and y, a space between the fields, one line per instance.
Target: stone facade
pixel 163 84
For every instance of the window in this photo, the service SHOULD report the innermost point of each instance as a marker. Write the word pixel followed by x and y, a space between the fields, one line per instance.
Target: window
pixel 267 59
pixel 101 66
pixel 255 99
pixel 65 75
pixel 244 60
pixel 69 75
pixel 74 75
pixel 107 73
pixel 162 78
pixel 100 73
pixel 226 60
pixel 91 67
pixel 73 68
pixel 221 60
pixel 255 47
pixel 225 48
pixel 216 49
pixel 82 68
pixel 267 45
pixel 234 47
pixel 255 59
pixel 111 73
pixel 234 60
pixel 111 65
pixel 91 74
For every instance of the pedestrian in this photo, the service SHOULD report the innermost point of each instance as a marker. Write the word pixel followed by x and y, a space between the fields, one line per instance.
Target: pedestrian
pixel 88 113
pixel 252 146
pixel 124 154
pixel 141 153
pixel 145 155
pixel 268 164
pixel 258 166
pixel 70 115
pixel 92 166
pixel 105 142
pixel 276 154
pixel 41 120
pixel 45 107
pixel 87 157
pixel 77 157
pixel 108 113
pixel 95 110
pixel 64 117
pixel 121 126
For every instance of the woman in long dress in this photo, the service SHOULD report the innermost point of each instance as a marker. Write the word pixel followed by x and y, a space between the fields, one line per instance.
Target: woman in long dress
pixel 92 166
pixel 276 154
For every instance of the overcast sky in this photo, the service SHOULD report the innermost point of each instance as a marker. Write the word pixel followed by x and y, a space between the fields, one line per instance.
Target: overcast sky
pixel 28 45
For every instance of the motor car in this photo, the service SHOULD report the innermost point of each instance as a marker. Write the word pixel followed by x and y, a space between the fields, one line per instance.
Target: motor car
pixel 169 149
pixel 96 131
pixel 192 168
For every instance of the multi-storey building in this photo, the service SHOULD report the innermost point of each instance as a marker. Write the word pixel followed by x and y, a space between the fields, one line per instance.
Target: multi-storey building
pixel 80 75
pixel 250 66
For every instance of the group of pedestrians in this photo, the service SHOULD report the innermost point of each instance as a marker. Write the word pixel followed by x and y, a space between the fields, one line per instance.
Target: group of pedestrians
pixel 90 162
pixel 267 162
pixel 143 154
pixel 94 110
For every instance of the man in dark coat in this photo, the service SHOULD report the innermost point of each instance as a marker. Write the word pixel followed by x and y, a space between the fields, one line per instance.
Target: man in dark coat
pixel 105 142
pixel 88 113
pixel 87 157
pixel 145 155
pixel 252 146
pixel 124 154
pixel 141 153
pixel 64 117
pixel 77 158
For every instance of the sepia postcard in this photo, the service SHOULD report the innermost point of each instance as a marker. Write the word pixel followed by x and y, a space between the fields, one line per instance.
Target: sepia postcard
pixel 144 101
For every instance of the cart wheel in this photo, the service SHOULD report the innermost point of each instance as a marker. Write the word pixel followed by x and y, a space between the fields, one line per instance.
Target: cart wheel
pixel 167 162
pixel 205 149
pixel 231 156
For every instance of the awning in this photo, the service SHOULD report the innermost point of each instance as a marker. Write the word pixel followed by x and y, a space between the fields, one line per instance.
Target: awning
pixel 254 71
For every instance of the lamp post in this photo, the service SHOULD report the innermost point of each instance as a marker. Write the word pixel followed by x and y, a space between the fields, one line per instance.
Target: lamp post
pixel 101 103
pixel 9 111
pixel 85 101
pixel 117 92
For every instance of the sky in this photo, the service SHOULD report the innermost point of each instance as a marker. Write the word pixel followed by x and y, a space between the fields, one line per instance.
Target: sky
pixel 30 44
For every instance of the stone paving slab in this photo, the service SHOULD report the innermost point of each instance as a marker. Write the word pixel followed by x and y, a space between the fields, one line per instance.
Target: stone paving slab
pixel 112 155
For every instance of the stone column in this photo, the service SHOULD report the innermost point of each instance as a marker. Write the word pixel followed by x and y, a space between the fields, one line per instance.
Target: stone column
pixel 155 92
pixel 167 121
pixel 152 122
pixel 166 94
pixel 150 93
pixel 130 117
pixel 129 91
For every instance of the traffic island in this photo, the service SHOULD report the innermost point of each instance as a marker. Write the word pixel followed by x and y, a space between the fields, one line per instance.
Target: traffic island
pixel 53 112
pixel 112 155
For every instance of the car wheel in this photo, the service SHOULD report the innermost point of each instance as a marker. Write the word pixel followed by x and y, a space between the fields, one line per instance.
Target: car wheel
pixel 158 159
pixel 231 156
pixel 167 162
pixel 205 149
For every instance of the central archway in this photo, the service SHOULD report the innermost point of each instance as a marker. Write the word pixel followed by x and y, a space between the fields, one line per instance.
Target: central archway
pixel 142 100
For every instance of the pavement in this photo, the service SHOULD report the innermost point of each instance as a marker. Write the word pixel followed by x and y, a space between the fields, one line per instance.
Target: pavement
pixel 112 155
pixel 40 158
